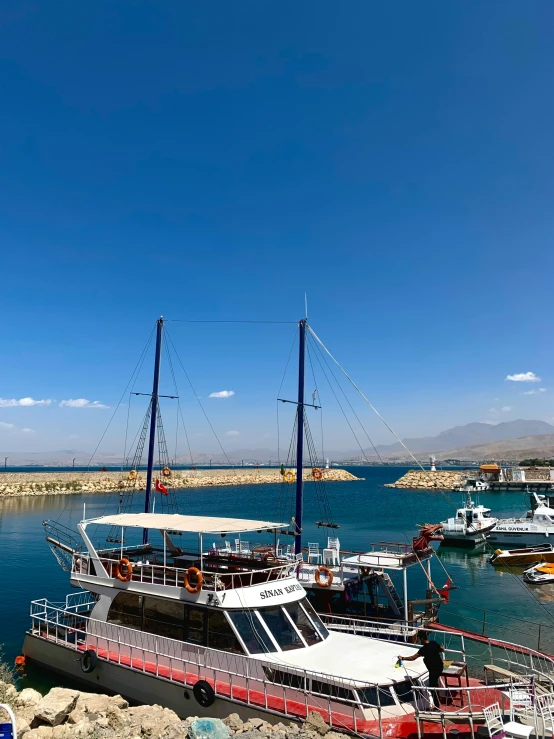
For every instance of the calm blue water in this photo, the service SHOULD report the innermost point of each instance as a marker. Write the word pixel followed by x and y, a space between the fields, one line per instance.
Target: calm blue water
pixel 366 511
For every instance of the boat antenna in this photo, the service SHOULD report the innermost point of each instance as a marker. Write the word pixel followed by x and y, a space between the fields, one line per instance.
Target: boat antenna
pixel 153 418
pixel 300 437
pixel 306 305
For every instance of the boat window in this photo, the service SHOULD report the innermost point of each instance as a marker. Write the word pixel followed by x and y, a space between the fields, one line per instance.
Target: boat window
pixel 164 617
pixel 285 678
pixel 404 691
pixel 375 696
pixel 333 691
pixel 194 625
pixel 317 622
pixel 251 632
pixel 281 628
pixel 220 633
pixel 303 623
pixel 126 610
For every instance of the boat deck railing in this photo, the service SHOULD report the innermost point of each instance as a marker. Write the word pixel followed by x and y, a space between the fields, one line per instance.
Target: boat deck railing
pixel 168 574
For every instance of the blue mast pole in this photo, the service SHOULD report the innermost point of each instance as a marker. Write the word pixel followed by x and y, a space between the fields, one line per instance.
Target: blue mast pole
pixel 300 437
pixel 153 419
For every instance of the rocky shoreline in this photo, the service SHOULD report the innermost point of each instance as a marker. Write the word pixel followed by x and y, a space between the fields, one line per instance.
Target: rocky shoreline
pixel 71 714
pixel 16 484
pixel 428 480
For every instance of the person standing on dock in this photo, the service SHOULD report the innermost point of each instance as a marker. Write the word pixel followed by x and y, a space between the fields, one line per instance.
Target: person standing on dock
pixel 431 651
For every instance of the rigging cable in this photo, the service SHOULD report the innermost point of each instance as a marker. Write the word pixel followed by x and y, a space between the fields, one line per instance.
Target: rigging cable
pixel 316 337
pixel 138 367
pixel 350 406
pixel 200 404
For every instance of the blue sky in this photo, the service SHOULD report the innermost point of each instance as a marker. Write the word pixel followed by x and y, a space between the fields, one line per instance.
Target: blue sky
pixel 217 161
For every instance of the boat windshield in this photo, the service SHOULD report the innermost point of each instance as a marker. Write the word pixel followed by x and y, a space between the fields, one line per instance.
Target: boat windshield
pixel 294 625
pixel 251 631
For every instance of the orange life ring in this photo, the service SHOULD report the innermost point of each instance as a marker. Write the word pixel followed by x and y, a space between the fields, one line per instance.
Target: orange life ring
pixel 328 573
pixel 317 473
pixel 289 476
pixel 132 475
pixel 365 571
pixel 199 580
pixel 124 570
pixel 166 472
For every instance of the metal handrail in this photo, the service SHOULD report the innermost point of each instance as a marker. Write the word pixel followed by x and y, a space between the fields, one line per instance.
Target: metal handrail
pixel 160 574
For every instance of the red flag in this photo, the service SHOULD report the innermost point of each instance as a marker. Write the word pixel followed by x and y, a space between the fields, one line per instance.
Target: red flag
pixel 161 488
pixel 445 591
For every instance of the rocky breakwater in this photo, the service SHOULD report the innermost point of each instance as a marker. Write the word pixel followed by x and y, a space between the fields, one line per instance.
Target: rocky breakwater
pixel 14 484
pixel 72 714
pixel 428 480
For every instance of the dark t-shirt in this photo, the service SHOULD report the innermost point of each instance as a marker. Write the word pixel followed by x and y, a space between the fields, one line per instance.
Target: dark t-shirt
pixel 431 653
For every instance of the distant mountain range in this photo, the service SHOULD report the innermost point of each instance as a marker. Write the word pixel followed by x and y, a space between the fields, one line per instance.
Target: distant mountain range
pixel 515 450
pixel 472 434
pixel 512 440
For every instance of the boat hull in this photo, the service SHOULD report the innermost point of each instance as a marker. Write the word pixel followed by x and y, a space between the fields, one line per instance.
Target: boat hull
pixel 518 538
pixel 459 539
pixel 134 686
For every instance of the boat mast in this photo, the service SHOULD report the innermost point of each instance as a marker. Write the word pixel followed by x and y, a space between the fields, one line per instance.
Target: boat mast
pixel 153 419
pixel 300 437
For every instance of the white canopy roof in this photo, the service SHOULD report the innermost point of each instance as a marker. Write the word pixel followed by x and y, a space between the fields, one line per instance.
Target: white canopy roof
pixel 191 524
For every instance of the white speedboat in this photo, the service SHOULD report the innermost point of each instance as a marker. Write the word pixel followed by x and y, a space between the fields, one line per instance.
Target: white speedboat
pixel 533 528
pixel 540 574
pixel 471 525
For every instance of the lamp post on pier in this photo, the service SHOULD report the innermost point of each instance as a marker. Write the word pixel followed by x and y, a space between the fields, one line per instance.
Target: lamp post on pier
pixel 5 463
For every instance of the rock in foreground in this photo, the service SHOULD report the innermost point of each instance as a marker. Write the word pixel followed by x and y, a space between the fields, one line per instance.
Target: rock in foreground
pixel 72 714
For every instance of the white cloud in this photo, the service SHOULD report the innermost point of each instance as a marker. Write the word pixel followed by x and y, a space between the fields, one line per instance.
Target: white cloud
pixel 492 410
pixel 11 402
pixel 524 377
pixel 6 425
pixel 82 403
pixel 222 394
pixel 535 392
pixel 506 408
pixel 231 433
pixel 27 431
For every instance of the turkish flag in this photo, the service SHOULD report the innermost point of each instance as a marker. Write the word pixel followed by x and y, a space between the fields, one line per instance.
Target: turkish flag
pixel 161 488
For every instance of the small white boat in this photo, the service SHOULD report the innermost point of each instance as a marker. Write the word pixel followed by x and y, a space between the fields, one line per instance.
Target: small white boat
pixel 473 485
pixel 471 525
pixel 540 574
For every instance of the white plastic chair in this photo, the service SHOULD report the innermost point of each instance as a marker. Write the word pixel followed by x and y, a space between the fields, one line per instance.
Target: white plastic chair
pixel 313 551
pixel 333 543
pixel 497 726
pixel 545 709
pixel 331 557
pixel 227 547
pixel 245 547
pixel 237 545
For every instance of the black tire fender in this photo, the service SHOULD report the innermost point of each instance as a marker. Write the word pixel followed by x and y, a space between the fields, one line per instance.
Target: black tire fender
pixel 89 661
pixel 204 693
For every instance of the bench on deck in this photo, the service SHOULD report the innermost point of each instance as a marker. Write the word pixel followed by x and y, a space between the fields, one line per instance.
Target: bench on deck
pixel 501 672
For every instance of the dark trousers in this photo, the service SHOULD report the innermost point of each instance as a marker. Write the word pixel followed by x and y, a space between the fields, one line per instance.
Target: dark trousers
pixel 434 677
